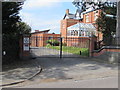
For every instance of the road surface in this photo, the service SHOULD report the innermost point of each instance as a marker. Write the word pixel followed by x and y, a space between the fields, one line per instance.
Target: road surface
pixel 111 82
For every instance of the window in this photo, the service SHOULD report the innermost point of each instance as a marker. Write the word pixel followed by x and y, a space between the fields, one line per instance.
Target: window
pixel 79 32
pixel 72 33
pixel 95 15
pixel 82 33
pixel 50 37
pixel 63 25
pixel 87 33
pixel 87 18
pixel 75 33
pixel 68 33
pixel 90 34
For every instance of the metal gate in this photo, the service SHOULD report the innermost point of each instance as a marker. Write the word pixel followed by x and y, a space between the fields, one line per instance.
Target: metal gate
pixel 59 46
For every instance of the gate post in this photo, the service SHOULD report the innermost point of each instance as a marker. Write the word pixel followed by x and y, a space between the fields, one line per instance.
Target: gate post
pixel 92 45
pixel 24 47
pixel 60 47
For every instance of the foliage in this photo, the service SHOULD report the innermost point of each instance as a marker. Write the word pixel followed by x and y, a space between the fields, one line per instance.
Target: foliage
pixel 10 17
pixel 23 28
pixel 48 45
pixel 64 44
pixel 53 42
pixel 107 25
pixel 11 29
pixel 82 5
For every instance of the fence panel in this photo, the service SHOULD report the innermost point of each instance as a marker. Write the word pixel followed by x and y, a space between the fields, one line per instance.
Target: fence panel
pixel 59 46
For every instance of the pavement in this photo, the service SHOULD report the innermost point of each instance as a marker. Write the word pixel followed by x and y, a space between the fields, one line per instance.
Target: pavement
pixel 110 82
pixel 55 70
pixel 18 71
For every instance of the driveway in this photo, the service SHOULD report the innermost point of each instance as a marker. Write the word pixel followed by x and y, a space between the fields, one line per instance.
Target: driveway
pixel 47 52
pixel 74 69
pixel 65 69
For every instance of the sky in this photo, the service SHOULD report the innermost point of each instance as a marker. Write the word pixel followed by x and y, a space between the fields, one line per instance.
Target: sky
pixel 45 14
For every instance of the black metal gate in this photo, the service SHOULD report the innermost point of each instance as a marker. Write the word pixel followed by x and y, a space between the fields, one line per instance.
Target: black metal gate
pixel 60 46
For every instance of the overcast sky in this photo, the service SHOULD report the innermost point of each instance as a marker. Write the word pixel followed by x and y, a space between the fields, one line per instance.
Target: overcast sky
pixel 44 14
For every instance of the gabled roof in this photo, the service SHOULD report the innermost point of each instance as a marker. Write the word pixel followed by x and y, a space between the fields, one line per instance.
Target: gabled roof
pixel 69 16
pixel 76 15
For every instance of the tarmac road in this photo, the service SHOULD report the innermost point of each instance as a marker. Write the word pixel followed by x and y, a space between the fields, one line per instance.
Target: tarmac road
pixel 111 82
pixel 72 72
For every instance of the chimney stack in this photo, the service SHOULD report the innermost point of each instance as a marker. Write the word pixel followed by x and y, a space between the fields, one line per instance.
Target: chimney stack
pixel 67 11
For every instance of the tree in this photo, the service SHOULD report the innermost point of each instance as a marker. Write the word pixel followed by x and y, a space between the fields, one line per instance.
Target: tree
pixel 11 29
pixel 23 28
pixel 10 16
pixel 106 22
pixel 107 26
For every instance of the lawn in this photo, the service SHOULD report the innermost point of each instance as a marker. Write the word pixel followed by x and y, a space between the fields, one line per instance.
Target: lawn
pixel 74 50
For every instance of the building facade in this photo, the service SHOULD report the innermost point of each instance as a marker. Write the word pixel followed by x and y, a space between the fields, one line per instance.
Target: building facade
pixel 72 26
pixel 39 38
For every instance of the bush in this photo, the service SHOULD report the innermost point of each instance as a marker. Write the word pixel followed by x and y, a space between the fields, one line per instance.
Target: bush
pixel 64 44
pixel 11 46
pixel 48 45
pixel 53 42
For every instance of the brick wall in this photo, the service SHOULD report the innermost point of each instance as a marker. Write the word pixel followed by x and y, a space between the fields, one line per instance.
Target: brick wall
pixel 41 39
pixel 82 42
pixel 91 16
pixel 66 23
pixel 96 54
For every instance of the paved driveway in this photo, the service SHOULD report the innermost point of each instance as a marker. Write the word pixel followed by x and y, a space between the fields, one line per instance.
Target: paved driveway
pixel 69 69
pixel 56 69
pixel 47 52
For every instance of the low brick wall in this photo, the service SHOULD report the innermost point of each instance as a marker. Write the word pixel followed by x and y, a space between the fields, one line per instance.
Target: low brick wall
pixel 109 54
pixel 96 53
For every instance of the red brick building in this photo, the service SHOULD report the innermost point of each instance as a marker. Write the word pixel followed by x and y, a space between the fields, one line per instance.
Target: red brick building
pixel 39 38
pixel 83 27
pixel 71 27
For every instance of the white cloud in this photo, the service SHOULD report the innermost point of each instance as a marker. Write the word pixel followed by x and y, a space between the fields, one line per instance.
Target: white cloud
pixel 53 25
pixel 42 3
pixel 40 24
pixel 35 21
pixel 39 3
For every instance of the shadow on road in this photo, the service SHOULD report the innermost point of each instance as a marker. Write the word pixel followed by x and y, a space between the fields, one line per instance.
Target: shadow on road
pixel 59 68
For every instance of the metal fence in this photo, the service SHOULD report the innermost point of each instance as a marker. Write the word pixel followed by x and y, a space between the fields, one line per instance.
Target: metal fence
pixel 60 46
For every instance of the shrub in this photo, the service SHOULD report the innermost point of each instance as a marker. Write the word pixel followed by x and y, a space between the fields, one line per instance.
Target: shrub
pixel 64 44
pixel 53 42
pixel 48 45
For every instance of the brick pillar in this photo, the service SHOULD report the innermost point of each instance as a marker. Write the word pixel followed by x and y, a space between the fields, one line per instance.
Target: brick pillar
pixel 25 47
pixel 93 39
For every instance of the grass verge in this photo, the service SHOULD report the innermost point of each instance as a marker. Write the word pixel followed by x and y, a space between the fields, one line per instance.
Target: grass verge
pixel 73 50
